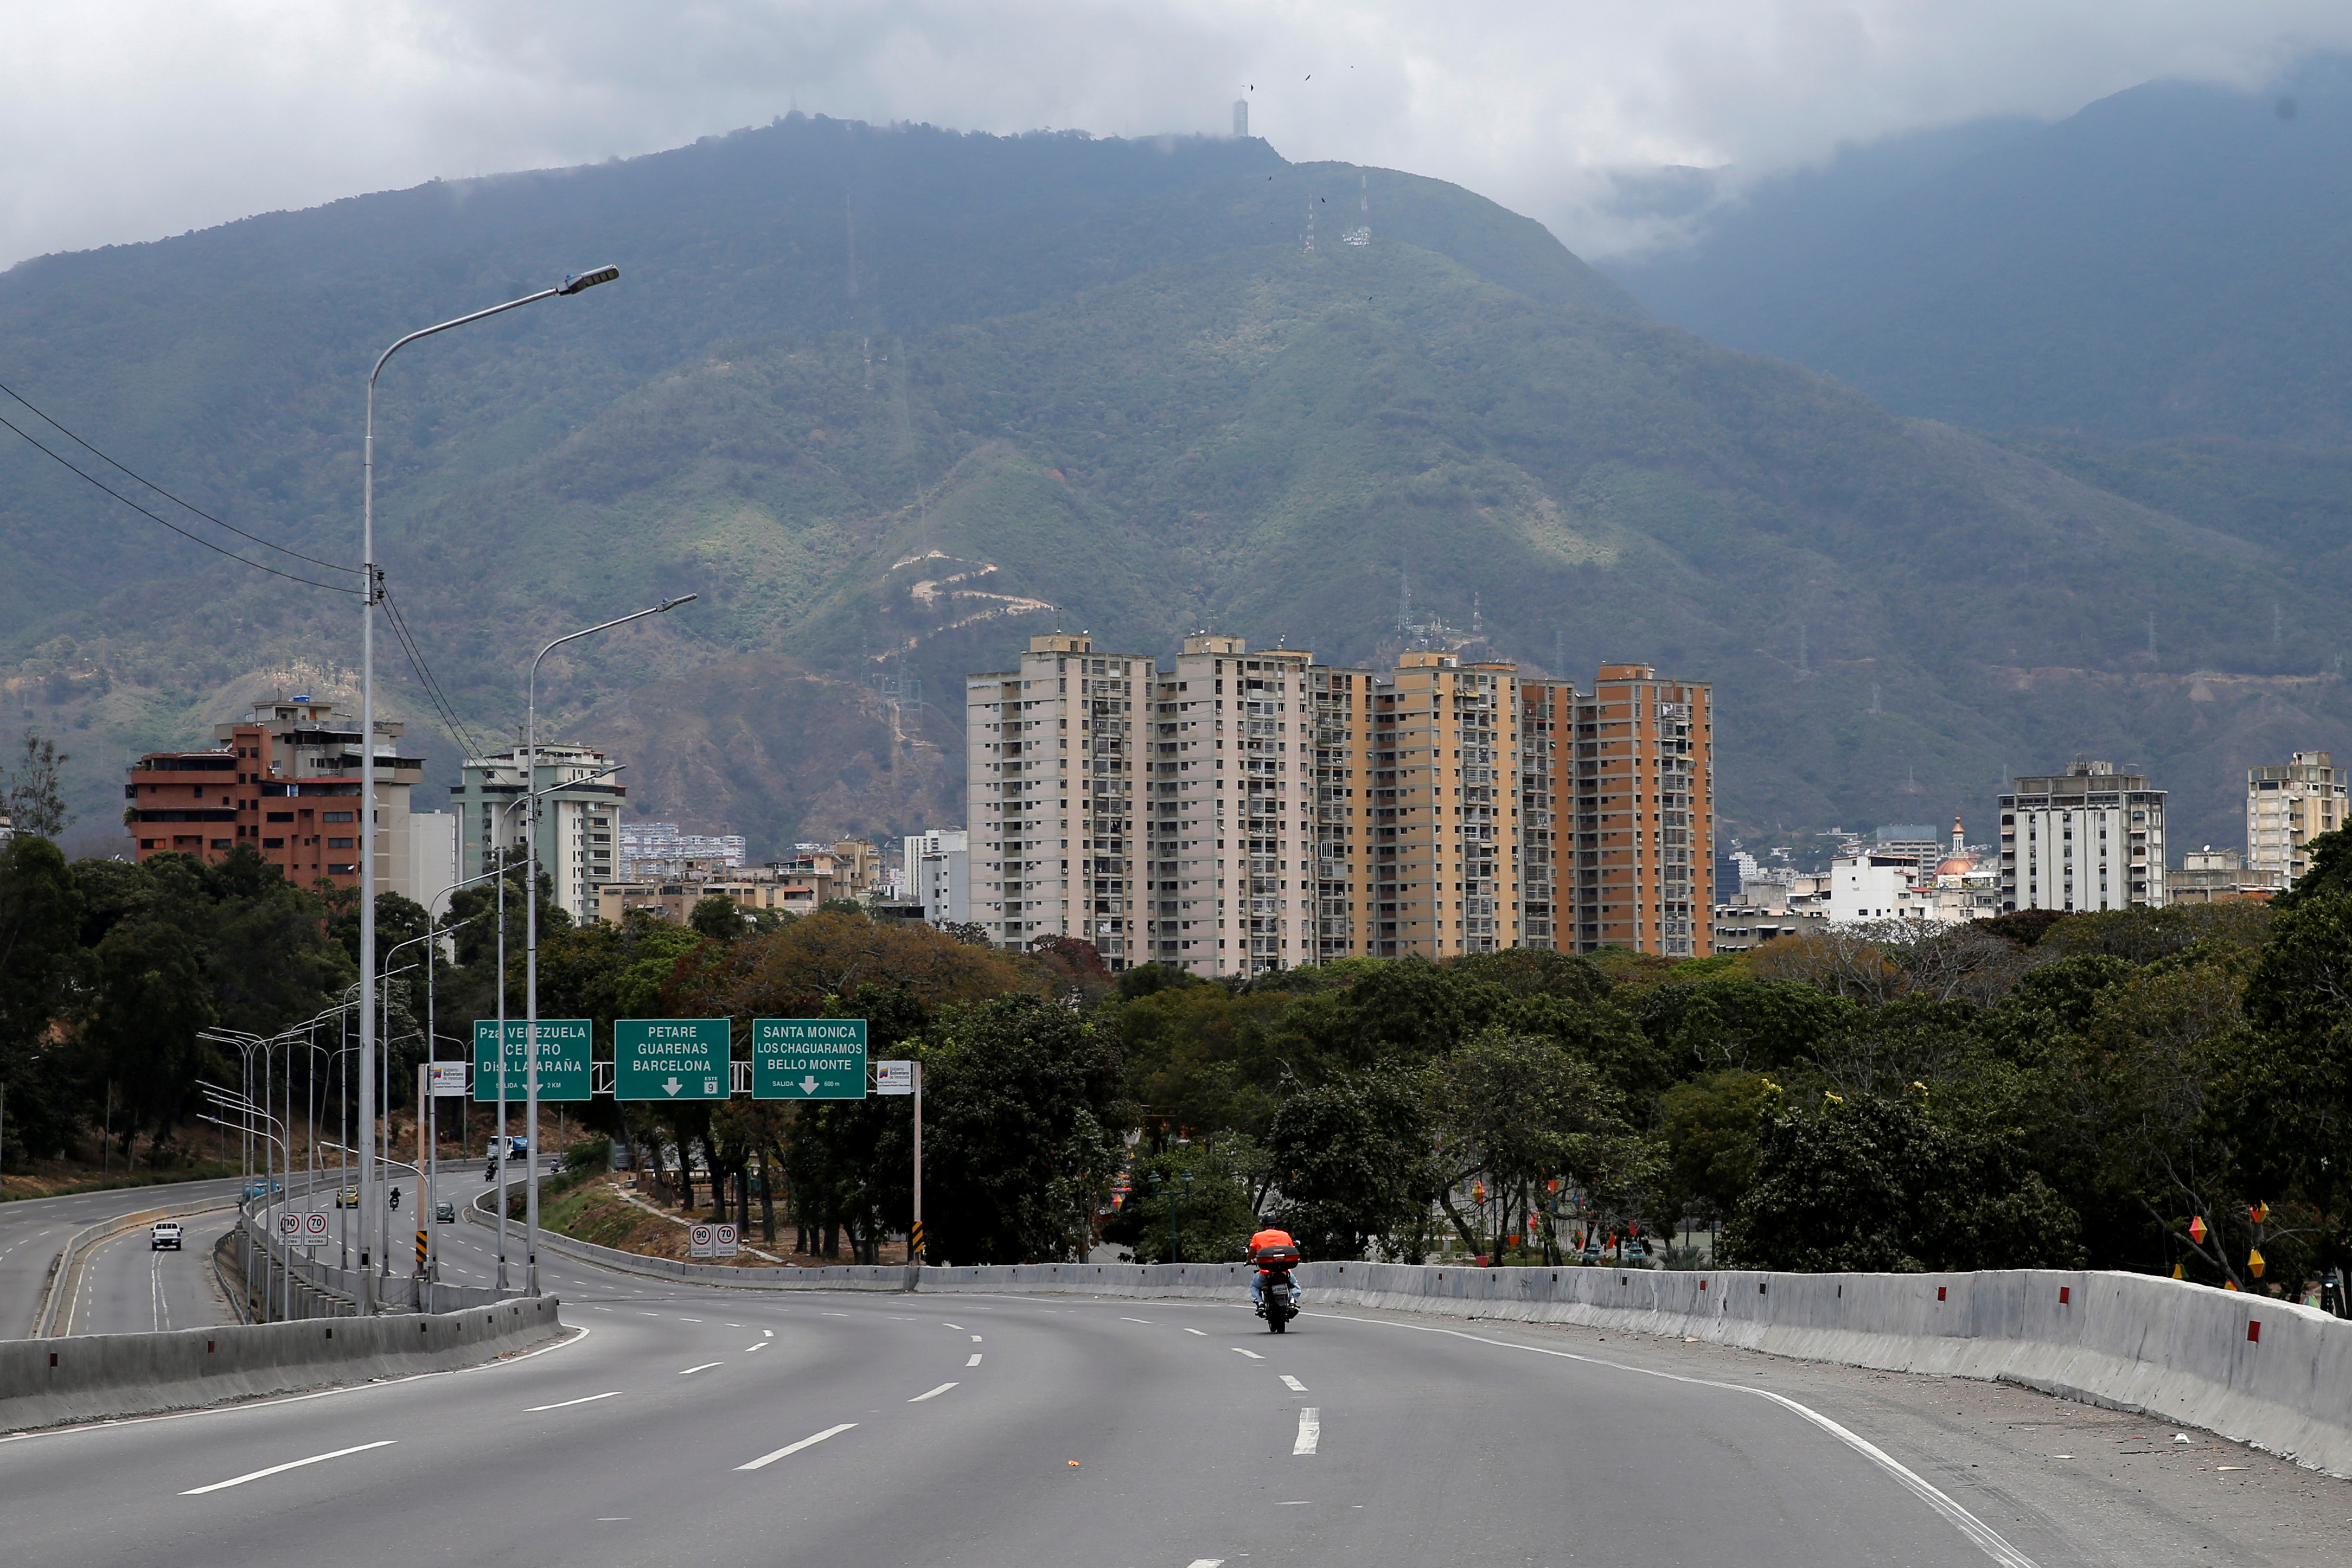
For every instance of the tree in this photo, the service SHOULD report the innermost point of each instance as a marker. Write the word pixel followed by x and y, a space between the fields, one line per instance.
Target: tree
pixel 719 917
pixel 1749 1025
pixel 1214 1212
pixel 1711 1127
pixel 1200 1056
pixel 40 916
pixel 1020 1107
pixel 1354 1159
pixel 1872 1186
pixel 33 798
pixel 1407 1010
pixel 1521 1109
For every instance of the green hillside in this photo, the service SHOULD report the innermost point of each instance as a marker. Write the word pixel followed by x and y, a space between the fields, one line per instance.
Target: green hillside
pixel 1128 401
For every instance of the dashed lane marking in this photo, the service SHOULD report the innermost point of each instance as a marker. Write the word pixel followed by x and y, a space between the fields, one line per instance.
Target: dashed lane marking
pixel 1293 1383
pixel 1311 1431
pixel 1251 1353
pixel 975 1359
pixel 288 1465
pixel 690 1371
pixel 931 1394
pixel 790 1448
pixel 567 1404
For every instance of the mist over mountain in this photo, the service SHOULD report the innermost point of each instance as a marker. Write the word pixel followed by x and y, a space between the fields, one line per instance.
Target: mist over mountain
pixel 892 400
pixel 2166 263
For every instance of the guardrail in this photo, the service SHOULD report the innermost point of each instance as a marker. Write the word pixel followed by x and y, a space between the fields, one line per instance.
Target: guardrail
pixel 46 1383
pixel 322 1290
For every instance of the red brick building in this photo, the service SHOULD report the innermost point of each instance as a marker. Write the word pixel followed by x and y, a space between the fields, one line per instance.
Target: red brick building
pixel 284 781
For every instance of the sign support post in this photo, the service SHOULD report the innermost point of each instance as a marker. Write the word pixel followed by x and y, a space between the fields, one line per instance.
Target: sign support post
pixel 915 1236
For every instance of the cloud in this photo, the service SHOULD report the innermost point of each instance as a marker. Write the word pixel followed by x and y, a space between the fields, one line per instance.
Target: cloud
pixel 127 119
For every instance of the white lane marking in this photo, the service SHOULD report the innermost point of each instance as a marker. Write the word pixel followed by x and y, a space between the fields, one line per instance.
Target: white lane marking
pixel 808 1442
pixel 1251 1353
pixel 1311 1431
pixel 933 1394
pixel 1986 1539
pixel 734 1325
pixel 958 1327
pixel 975 1339
pixel 975 1359
pixel 690 1371
pixel 1293 1383
pixel 1206 1562
pixel 603 1309
pixel 1135 1319
pixel 567 1404
pixel 833 1314
pixel 288 1465
pixel 769 1332
pixel 690 1319
pixel 1202 1332
pixel 755 1344
pixel 648 1314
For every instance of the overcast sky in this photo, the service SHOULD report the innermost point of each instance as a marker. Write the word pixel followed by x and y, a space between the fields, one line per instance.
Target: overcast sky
pixel 128 119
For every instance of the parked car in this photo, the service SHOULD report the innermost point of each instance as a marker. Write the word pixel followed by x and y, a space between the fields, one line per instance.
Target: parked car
pixel 164 1233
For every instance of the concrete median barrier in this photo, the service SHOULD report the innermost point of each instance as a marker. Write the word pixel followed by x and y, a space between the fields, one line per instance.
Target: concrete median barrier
pixel 52 1382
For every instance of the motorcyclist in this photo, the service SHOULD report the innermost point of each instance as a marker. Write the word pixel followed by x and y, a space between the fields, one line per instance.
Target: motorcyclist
pixel 1271 1236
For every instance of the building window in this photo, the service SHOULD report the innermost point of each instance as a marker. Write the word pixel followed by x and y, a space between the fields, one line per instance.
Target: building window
pixel 335 816
pixel 342 844
pixel 273 843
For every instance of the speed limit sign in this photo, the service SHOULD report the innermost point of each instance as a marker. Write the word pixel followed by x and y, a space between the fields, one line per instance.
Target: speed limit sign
pixel 699 1240
pixel 723 1241
pixel 289 1226
pixel 314 1229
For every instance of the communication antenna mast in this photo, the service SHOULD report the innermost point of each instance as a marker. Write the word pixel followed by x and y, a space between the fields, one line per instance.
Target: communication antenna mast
pixel 1310 220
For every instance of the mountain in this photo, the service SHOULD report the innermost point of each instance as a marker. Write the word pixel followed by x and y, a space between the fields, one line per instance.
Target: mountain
pixel 1085 383
pixel 2166 263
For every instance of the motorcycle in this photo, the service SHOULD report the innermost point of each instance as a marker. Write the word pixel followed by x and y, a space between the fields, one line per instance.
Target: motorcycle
pixel 1277 1296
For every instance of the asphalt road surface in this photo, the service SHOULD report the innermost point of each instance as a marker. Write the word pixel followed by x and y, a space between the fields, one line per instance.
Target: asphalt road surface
pixel 696 1426
pixel 33 1229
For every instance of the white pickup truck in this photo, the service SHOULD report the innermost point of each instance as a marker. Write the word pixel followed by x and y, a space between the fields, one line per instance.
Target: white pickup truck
pixel 164 1233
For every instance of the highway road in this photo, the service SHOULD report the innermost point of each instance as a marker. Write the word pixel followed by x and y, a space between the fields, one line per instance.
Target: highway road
pixel 33 1229
pixel 696 1426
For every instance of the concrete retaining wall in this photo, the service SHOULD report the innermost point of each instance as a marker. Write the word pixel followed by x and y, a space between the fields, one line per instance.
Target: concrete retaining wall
pixel 47 1382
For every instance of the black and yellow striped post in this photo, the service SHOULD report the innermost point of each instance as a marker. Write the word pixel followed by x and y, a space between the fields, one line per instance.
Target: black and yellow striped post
pixel 914 1243
pixel 420 1250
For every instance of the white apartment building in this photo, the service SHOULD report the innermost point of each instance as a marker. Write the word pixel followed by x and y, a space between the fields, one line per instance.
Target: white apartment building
pixel 938 871
pixel 1874 887
pixel 2287 806
pixel 2090 839
pixel 578 819
pixel 1053 758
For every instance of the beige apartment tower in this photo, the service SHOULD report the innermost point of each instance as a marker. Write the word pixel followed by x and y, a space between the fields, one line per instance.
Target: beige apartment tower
pixel 2287 806
pixel 1052 760
pixel 1252 809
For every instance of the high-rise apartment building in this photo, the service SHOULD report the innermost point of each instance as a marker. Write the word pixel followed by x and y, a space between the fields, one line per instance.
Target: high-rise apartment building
pixel 2088 839
pixel 2287 806
pixel 1618 786
pixel 938 867
pixel 284 781
pixel 1052 764
pixel 579 810
pixel 1279 811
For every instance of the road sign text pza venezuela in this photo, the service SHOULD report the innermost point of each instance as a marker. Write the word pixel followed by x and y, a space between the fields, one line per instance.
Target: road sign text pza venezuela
pixel 808 1058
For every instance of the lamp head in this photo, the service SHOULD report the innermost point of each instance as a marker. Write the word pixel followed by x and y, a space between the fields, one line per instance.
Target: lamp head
pixel 574 282
pixel 674 603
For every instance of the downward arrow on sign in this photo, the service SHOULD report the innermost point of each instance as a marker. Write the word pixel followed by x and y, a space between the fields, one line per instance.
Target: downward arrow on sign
pixel 673 1085
pixel 809 1085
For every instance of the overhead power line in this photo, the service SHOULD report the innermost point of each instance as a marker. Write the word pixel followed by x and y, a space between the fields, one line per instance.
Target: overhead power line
pixel 198 539
pixel 199 511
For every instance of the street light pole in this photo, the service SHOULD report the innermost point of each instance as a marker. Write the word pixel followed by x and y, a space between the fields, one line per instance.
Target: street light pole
pixel 532 792
pixel 373 579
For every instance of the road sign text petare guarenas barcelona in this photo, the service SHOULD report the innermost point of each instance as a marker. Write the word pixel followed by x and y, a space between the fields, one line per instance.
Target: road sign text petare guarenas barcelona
pixel 562 1059
pixel 672 1059
pixel 808 1058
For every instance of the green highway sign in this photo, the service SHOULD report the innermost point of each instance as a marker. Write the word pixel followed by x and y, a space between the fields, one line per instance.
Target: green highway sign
pixel 671 1058
pixel 562 1059
pixel 808 1058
